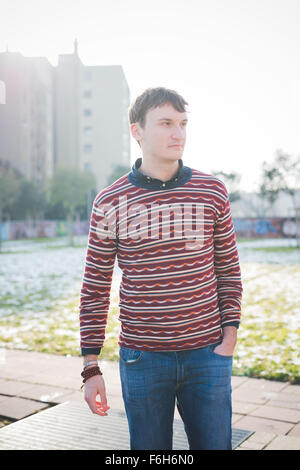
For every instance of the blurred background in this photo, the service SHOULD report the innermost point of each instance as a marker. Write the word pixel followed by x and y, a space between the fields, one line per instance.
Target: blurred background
pixel 68 73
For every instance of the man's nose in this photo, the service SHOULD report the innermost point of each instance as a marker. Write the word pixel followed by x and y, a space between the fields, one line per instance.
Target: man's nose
pixel 178 132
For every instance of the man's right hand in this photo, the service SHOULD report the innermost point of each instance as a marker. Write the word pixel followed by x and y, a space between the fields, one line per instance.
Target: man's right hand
pixel 95 386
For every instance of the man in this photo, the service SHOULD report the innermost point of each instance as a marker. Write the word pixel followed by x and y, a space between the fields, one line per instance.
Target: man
pixel 180 294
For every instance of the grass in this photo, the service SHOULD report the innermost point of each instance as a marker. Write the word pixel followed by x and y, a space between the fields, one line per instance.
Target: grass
pixel 245 239
pixel 10 252
pixel 56 331
pixel 269 333
pixel 277 249
pixel 59 247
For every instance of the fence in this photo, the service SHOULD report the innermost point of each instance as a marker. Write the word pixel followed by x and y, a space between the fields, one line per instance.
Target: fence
pixel 268 227
pixel 20 229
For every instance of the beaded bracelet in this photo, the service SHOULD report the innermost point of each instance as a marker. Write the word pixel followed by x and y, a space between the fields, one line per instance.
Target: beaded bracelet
pixel 86 374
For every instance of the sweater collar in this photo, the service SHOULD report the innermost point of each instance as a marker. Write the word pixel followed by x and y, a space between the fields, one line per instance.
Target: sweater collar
pixel 137 178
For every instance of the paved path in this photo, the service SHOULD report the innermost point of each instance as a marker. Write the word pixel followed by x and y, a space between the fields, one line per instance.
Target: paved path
pixel 32 381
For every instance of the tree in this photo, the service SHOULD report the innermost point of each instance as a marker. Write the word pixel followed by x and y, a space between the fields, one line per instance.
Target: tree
pixel 231 181
pixel 8 192
pixel 118 171
pixel 30 200
pixel 69 186
pixel 257 204
pixel 283 174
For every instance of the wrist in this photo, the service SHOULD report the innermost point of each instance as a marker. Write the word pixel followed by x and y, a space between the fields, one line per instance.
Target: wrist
pixel 88 358
pixel 230 333
pixel 229 337
pixel 89 364
pixel 229 340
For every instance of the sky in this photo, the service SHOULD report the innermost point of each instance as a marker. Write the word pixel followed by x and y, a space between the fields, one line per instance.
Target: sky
pixel 236 63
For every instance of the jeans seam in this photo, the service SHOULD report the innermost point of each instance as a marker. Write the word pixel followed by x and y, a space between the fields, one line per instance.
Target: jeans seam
pixel 177 371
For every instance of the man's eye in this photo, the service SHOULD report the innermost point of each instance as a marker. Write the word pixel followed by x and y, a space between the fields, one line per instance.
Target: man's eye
pixel 184 123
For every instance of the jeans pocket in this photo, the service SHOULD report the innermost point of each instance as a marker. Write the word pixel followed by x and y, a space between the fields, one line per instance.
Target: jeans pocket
pixel 129 355
pixel 212 348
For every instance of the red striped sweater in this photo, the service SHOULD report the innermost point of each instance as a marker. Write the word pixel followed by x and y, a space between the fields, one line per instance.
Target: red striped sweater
pixel 172 297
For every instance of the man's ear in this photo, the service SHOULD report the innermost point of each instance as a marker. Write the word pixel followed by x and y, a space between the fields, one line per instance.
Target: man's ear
pixel 135 131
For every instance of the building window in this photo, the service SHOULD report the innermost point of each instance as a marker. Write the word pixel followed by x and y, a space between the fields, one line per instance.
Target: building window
pixel 88 130
pixel 87 93
pixel 87 112
pixel 88 148
pixel 87 75
pixel 87 166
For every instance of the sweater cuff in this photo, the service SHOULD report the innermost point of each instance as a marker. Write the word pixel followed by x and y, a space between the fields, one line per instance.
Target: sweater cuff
pixel 232 323
pixel 85 351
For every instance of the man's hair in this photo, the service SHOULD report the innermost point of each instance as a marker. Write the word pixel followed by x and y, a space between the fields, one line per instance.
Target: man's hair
pixel 153 98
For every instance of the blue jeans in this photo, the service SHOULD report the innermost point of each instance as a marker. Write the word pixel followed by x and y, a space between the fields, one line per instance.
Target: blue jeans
pixel 199 380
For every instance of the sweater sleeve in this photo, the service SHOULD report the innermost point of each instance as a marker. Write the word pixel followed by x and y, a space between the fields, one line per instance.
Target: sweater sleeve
pixel 227 267
pixel 96 283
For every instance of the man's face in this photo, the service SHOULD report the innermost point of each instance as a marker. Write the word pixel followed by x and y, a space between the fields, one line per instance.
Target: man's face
pixel 164 128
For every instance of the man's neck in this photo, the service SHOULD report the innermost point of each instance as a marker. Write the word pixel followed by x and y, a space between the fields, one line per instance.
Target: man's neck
pixel 159 169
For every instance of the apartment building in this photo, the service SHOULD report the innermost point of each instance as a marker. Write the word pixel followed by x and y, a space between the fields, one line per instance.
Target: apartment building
pixel 26 118
pixel 68 115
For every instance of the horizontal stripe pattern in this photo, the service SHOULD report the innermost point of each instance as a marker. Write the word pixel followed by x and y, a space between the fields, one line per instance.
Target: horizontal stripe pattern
pixel 171 297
